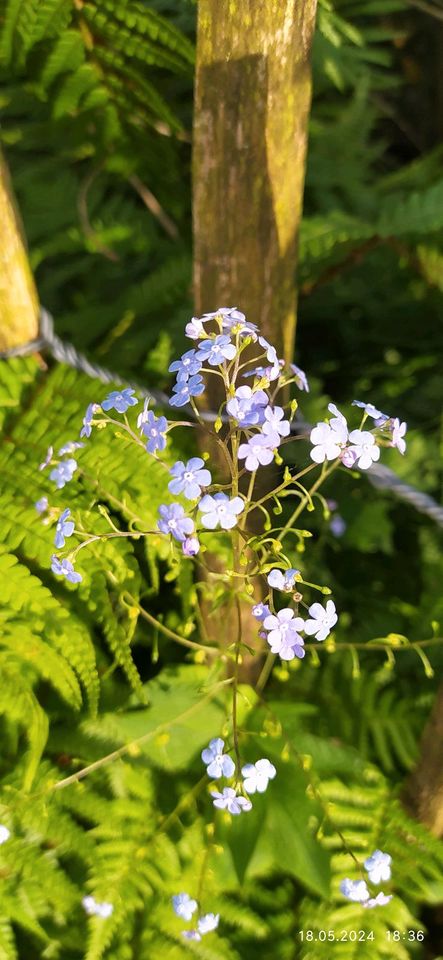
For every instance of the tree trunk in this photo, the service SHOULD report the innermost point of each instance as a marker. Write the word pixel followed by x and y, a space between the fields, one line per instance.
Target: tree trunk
pixel 18 296
pixel 252 101
pixel 423 794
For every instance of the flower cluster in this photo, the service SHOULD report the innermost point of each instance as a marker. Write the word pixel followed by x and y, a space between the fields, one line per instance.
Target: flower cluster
pixel 251 426
pixel 256 778
pixel 378 868
pixel 184 907
pixel 332 440
pixel 282 630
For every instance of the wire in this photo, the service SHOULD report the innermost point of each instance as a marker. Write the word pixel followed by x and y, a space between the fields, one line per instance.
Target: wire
pixel 381 477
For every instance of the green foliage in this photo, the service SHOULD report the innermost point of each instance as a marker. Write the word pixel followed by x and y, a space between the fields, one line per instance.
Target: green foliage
pixel 96 112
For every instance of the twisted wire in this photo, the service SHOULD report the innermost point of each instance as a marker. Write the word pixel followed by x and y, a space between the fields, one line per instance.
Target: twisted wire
pixel 380 476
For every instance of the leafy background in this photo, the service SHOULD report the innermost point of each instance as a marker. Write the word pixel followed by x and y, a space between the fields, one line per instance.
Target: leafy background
pixel 96 123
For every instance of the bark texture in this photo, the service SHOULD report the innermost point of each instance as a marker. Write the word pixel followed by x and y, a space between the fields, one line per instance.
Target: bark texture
pixel 423 795
pixel 18 296
pixel 252 101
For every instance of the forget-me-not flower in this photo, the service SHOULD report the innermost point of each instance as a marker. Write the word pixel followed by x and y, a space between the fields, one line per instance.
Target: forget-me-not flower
pixel 220 511
pixel 120 400
pixel 275 422
pixel 378 866
pixel 216 351
pixel 300 377
pixel 328 442
pixel 228 800
pixel 355 890
pixel 64 528
pixel 42 505
pixel 257 775
pixel 398 433
pixel 208 923
pixel 154 428
pixel 364 447
pixel 247 406
pixel 185 389
pixel 260 611
pixel 47 459
pixel 173 520
pixel 64 568
pixel 190 547
pixel 371 411
pixel 63 472
pixel 187 366
pixel 219 764
pixel 283 579
pixel 189 478
pixel 322 621
pixel 259 450
pixel 69 447
pixel 184 906
pixel 379 901
pixel 86 429
pixel 283 636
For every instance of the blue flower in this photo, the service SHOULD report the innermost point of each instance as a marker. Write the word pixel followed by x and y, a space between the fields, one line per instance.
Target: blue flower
pixel 236 322
pixel 378 866
pixel 187 366
pixel 191 935
pixel 208 923
pixel 184 906
pixel 91 409
pixel 220 511
pixel 261 611
pixel 219 764
pixel 42 505
pixel 300 377
pixel 185 389
pixel 247 406
pixel 47 459
pixel 275 422
pixel 154 428
pixel 355 890
pixel 69 447
pixel 190 547
pixel 371 411
pixel 173 521
pixel 63 473
pixel 216 351
pixel 189 478
pixel 64 568
pixel 230 801
pixel 283 580
pixel 120 400
pixel 64 528
pixel 270 373
pixel 257 775
pixel 259 450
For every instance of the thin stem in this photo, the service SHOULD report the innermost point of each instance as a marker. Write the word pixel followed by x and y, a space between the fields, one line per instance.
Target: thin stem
pixel 128 747
pixel 171 634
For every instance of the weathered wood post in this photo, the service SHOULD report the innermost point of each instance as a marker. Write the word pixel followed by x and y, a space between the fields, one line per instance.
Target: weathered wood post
pixel 19 309
pixel 252 102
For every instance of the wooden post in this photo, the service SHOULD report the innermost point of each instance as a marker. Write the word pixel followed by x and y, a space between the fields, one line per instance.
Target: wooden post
pixel 252 101
pixel 19 310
